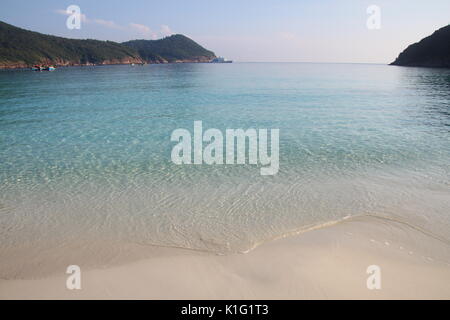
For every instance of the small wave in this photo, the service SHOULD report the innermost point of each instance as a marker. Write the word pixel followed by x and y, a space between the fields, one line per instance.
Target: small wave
pixel 305 229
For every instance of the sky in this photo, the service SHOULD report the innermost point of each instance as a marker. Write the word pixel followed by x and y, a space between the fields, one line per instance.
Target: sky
pixel 248 30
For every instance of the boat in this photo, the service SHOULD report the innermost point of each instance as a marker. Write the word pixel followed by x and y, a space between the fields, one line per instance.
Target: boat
pixel 41 68
pixel 221 60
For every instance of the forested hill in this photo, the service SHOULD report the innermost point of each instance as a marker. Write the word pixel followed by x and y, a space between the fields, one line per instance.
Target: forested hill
pixel 21 48
pixel 171 49
pixel 432 51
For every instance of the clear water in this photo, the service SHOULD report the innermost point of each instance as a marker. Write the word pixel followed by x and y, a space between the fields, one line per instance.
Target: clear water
pixel 85 152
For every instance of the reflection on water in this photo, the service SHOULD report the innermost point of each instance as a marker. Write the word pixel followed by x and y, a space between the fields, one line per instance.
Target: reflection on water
pixel 434 86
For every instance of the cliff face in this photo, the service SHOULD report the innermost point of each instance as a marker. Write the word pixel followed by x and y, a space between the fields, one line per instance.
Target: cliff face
pixel 432 51
pixel 21 48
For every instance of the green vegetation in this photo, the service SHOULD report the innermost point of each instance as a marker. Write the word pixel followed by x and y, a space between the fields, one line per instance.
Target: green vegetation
pixel 23 48
pixel 18 46
pixel 170 49
pixel 432 51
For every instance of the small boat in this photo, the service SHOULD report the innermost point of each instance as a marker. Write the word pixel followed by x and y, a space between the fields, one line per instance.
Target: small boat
pixel 41 68
pixel 221 60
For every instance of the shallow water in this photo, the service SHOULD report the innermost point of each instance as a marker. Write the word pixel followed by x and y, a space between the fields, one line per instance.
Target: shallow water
pixel 85 152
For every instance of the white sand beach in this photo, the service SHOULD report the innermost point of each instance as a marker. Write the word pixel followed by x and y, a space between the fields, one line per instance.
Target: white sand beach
pixel 299 150
pixel 326 263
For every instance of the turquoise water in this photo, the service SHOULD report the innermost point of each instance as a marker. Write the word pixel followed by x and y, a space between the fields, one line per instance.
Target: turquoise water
pixel 85 152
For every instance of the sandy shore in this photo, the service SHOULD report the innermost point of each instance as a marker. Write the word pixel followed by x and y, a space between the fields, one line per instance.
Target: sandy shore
pixel 327 263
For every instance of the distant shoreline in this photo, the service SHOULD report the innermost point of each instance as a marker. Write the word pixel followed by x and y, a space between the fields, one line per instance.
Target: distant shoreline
pixel 6 68
pixel 22 49
pixel 103 65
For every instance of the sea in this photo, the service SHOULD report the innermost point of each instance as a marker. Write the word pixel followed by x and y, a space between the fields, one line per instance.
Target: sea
pixel 85 154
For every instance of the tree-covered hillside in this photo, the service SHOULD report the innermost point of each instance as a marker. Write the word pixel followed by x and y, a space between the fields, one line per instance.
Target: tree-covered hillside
pixel 23 47
pixel 432 51
pixel 171 49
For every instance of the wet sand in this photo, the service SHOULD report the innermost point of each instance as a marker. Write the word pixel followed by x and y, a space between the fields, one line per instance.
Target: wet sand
pixel 326 263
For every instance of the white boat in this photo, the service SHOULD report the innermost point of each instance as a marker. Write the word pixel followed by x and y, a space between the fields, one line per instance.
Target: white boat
pixel 221 60
pixel 41 68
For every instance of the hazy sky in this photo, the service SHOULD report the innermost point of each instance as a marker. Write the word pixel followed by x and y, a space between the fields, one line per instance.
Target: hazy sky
pixel 247 30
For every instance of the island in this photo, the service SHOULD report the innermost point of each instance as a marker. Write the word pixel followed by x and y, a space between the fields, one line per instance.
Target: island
pixel 432 51
pixel 20 48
